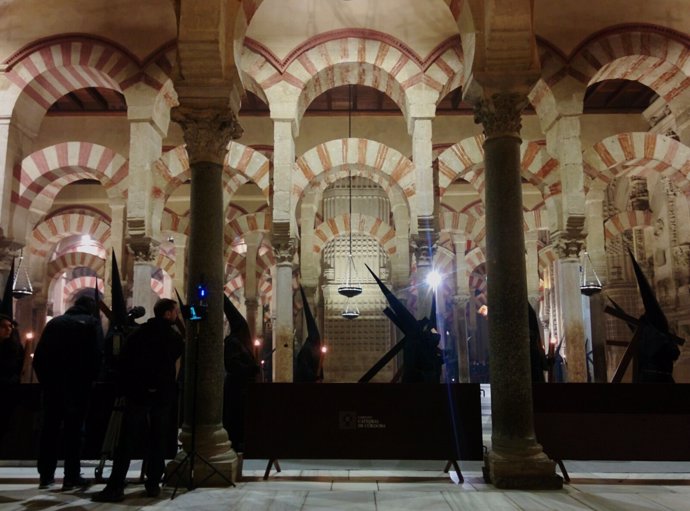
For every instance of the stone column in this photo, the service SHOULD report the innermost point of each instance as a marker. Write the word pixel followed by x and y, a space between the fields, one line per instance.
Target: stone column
pixel 596 248
pixel 532 268
pixel 423 252
pixel 570 318
pixel 516 460
pixel 283 329
pixel 252 241
pixel 207 133
pixel 145 251
pixel 460 333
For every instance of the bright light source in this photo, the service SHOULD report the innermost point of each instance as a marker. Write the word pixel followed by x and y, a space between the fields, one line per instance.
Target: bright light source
pixel 324 349
pixel 433 279
pixel 29 335
pixel 257 342
pixel 483 310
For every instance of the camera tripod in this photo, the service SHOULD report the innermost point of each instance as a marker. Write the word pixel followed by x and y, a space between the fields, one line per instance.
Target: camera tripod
pixel 187 462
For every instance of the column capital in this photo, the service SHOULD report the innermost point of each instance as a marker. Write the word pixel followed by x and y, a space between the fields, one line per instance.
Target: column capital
pixel 499 113
pixel 207 132
pixel 285 251
pixel 461 299
pixel 9 249
pixel 144 249
pixel 568 245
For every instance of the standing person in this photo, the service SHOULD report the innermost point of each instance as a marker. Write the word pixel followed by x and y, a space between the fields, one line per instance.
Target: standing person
pixel 11 352
pixel 148 378
pixel 67 361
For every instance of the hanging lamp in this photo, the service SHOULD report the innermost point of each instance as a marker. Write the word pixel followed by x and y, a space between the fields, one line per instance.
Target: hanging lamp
pixel 351 311
pixel 350 287
pixel 21 285
pixel 589 280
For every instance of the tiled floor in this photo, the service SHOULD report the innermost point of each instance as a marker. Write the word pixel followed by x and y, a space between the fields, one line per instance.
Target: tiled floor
pixel 386 485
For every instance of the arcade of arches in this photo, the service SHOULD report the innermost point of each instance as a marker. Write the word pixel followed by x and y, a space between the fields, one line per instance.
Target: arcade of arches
pixel 395 129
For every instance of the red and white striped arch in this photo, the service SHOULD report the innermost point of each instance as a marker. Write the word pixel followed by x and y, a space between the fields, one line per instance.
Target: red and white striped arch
pixel 73 260
pixel 474 259
pixel 43 173
pixel 74 286
pixel 342 225
pixel 157 287
pixel 355 56
pixel 617 225
pixel 362 155
pixel 636 53
pixel 234 263
pixel 165 263
pixel 172 222
pixel 75 221
pixel 172 169
pixel 638 154
pixel 249 162
pixel 239 226
pixel 466 159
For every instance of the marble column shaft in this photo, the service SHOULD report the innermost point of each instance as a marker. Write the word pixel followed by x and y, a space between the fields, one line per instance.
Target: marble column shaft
pixel 283 327
pixel 516 460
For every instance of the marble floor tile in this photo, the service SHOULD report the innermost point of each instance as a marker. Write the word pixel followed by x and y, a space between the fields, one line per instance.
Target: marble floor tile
pixel 411 501
pixel 546 501
pixel 335 500
pixel 493 501
pixel 624 502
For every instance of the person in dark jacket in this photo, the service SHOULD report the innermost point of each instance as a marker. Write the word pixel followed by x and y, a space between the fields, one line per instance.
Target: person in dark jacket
pixel 147 377
pixel 67 361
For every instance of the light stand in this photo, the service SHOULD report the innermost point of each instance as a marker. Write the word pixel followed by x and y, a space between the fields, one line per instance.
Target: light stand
pixel 195 314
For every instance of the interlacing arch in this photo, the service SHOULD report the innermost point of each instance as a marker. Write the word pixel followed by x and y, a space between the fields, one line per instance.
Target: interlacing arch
pixel 68 223
pixel 471 226
pixel 165 263
pixel 361 155
pixel 359 224
pixel 617 225
pixel 638 154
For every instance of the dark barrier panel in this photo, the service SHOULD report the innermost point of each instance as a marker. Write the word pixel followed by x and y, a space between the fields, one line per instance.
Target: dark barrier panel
pixel 604 421
pixel 21 422
pixel 364 421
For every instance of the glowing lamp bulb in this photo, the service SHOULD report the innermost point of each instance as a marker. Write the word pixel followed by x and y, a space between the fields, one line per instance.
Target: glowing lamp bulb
pixel 433 279
pixel 257 343
pixel 324 349
pixel 29 335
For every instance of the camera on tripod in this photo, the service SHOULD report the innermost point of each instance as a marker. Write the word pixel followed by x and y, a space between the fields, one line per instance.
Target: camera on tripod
pixel 197 309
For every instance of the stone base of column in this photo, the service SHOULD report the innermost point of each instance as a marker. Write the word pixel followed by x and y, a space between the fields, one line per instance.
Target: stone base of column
pixel 535 472
pixel 215 463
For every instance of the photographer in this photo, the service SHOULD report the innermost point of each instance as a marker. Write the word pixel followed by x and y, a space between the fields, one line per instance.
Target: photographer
pixel 147 376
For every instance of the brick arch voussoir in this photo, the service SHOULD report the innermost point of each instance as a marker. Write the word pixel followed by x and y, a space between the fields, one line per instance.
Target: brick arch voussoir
pixel 250 163
pixel 355 152
pixel 357 223
pixel 638 153
pixel 461 160
pixel 618 224
pixel 47 70
pixel 74 286
pixel 57 227
pixel 242 225
pixel 74 260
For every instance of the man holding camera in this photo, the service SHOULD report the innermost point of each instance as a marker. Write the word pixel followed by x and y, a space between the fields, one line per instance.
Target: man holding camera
pixel 147 369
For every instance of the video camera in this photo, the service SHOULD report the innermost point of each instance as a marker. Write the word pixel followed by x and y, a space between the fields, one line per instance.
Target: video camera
pixel 197 310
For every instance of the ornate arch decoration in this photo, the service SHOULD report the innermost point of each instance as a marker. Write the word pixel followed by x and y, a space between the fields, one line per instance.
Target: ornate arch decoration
pixel 617 225
pixel 74 260
pixel 235 263
pixel 68 222
pixel 637 154
pixel 361 224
